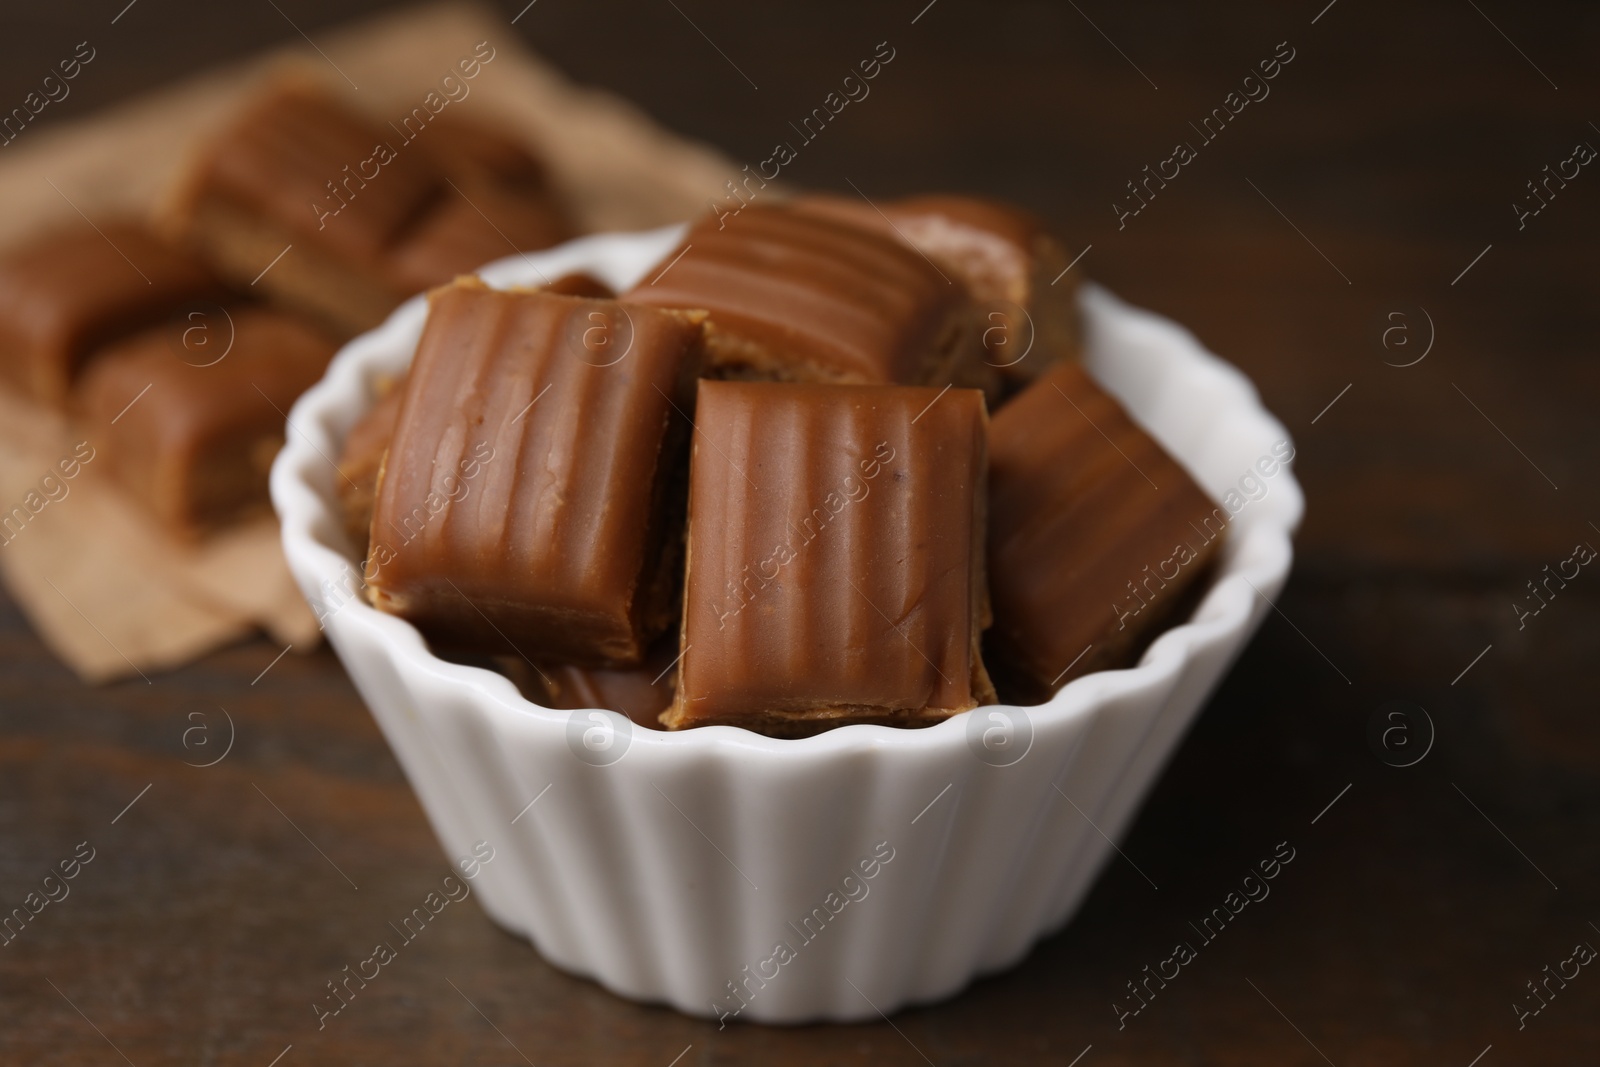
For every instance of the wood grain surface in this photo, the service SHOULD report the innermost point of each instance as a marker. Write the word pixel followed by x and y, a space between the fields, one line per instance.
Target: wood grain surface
pixel 1373 188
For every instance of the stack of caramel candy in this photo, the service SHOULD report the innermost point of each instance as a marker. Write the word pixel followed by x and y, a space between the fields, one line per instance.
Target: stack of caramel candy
pixel 764 487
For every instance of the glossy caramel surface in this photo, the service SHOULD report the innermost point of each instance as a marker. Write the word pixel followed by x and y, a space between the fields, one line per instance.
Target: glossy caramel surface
pixel 522 499
pixel 813 298
pixel 1094 530
pixel 835 554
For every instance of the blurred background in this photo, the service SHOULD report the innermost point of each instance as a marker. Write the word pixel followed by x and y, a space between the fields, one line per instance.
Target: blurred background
pixel 1371 243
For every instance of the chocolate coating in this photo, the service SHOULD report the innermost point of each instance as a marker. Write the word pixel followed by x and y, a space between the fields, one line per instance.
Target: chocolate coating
pixel 194 443
pixel 68 291
pixel 1092 542
pixel 526 494
pixel 796 297
pixel 835 568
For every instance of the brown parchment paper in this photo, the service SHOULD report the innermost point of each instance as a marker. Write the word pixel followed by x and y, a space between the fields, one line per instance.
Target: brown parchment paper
pixel 106 589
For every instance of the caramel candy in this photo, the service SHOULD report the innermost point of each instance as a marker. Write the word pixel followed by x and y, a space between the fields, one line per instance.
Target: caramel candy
pixel 361 459
pixel 1095 534
pixel 465 147
pixel 1008 259
pixel 527 496
pixel 368 214
pixel 579 283
pixel 498 202
pixel 474 223
pixel 66 292
pixel 796 297
pixel 194 443
pixel 836 566
pixel 641 693
pixel 368 439
pixel 295 167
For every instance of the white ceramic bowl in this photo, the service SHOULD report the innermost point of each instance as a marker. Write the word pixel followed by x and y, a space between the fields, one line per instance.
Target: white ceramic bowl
pixel 891 866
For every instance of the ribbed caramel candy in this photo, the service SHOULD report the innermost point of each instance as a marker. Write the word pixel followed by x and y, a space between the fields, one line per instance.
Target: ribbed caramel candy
pixel 1095 535
pixel 194 441
pixel 835 567
pixel 362 458
pixel 641 693
pixel 1010 261
pixel 362 455
pixel 526 497
pixel 69 291
pixel 796 297
pixel 342 217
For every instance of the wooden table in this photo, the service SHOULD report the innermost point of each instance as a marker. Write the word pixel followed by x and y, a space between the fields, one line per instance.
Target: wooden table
pixel 1371 191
